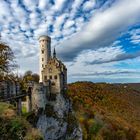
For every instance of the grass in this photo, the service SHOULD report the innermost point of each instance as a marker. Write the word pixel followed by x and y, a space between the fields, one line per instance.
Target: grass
pixel 24 110
pixel 13 127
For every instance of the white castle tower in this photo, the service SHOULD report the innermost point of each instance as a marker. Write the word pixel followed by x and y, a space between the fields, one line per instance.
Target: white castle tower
pixel 45 52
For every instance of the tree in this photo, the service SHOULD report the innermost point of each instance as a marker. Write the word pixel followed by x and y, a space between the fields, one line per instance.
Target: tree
pixel 7 62
pixel 29 77
pixel 35 77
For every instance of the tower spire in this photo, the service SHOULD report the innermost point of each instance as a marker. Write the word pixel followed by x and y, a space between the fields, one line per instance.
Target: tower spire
pixel 54 53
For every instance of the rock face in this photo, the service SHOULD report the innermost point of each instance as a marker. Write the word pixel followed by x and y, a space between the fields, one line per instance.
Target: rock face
pixel 57 121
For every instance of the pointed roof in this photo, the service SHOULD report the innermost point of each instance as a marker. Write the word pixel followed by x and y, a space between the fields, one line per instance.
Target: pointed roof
pixel 54 53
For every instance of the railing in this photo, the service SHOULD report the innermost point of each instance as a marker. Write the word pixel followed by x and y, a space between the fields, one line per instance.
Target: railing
pixel 13 97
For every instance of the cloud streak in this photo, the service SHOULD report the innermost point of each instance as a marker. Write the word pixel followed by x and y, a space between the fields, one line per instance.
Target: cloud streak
pixel 81 30
pixel 105 73
pixel 103 28
pixel 120 57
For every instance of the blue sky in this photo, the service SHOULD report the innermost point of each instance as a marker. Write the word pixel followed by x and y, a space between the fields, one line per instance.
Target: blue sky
pixel 98 40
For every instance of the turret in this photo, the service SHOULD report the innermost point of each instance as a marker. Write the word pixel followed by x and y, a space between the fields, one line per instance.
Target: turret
pixel 45 52
pixel 54 53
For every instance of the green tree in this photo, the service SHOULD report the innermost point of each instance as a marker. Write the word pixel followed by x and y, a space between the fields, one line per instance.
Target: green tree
pixel 29 77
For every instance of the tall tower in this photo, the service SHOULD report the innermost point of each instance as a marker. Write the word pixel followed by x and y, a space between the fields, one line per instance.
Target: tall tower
pixel 45 52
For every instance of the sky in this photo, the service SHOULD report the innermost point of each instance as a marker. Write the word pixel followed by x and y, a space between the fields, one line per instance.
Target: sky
pixel 98 40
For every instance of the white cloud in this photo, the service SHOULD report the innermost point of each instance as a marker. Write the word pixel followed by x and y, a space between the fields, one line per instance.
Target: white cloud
pixel 76 26
pixel 88 5
pixel 103 70
pixel 58 5
pixel 4 7
pixel 135 36
pixel 69 23
pixel 59 21
pixel 103 28
pixel 44 4
pixel 30 4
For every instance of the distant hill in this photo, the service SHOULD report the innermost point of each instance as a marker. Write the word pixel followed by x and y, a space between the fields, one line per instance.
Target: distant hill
pixel 135 86
pixel 107 111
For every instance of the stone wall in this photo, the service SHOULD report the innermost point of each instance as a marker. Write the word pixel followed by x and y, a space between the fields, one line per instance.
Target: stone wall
pixel 39 96
pixel 56 73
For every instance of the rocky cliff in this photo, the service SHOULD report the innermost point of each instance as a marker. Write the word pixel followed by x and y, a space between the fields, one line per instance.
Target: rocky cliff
pixel 55 119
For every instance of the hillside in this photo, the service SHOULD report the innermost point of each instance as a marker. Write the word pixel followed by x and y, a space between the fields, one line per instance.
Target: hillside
pixel 13 127
pixel 106 111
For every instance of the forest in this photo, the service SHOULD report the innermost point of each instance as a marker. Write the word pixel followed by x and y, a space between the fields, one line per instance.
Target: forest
pixel 107 111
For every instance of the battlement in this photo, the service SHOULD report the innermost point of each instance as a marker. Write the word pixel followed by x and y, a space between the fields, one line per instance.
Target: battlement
pixel 44 37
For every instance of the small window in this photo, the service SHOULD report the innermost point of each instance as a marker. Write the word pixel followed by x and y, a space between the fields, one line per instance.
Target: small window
pixel 53 84
pixel 42 65
pixel 50 70
pixel 42 59
pixel 50 77
pixel 55 77
pixel 42 51
pixel 45 77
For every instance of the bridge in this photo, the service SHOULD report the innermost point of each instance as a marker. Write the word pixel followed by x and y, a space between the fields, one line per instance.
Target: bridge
pixel 18 99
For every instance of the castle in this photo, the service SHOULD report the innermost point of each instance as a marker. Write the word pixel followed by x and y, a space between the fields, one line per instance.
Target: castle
pixel 53 75
pixel 52 71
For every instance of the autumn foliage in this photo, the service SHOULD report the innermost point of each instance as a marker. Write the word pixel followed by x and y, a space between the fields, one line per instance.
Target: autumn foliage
pixel 106 111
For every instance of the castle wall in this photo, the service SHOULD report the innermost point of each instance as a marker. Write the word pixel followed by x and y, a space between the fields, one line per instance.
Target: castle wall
pixel 39 96
pixel 56 74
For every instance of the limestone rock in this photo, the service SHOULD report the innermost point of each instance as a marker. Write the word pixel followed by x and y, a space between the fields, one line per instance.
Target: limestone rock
pixel 57 120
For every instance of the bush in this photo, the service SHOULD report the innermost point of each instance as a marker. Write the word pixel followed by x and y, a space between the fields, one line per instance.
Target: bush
pixel 13 127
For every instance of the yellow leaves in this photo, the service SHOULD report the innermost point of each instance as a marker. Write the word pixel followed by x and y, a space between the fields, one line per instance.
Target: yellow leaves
pixel 117 107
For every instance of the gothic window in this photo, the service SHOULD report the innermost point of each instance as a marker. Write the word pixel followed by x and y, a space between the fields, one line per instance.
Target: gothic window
pixel 50 77
pixel 55 77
